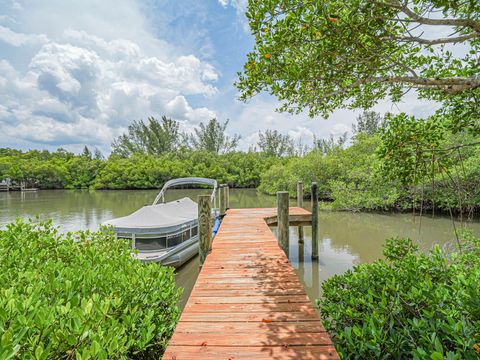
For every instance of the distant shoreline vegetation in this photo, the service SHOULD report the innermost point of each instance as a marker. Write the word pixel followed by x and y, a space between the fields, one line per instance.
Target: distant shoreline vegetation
pixel 354 175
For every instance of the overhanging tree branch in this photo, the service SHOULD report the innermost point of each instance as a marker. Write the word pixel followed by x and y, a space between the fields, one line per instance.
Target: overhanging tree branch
pixel 450 85
pixel 325 55
pixel 419 40
pixel 470 23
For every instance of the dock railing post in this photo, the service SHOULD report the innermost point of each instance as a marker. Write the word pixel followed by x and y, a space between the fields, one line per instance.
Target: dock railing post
pixel 300 205
pixel 204 226
pixel 223 199
pixel 314 220
pixel 283 221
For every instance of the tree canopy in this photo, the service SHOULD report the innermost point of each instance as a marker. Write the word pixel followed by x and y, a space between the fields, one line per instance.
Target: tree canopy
pixel 318 56
pixel 165 136
pixel 153 138
pixel 212 137
pixel 327 145
pixel 369 122
pixel 273 143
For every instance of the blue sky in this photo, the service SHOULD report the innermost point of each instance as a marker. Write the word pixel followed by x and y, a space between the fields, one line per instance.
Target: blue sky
pixel 79 72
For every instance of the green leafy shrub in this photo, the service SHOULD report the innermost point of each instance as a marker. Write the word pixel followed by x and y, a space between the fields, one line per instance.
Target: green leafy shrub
pixel 349 178
pixel 410 305
pixel 80 296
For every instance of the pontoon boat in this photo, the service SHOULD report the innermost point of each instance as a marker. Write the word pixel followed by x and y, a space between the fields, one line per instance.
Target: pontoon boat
pixel 165 232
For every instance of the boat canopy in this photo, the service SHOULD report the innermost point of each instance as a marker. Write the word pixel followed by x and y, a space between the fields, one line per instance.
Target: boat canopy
pixel 162 218
pixel 186 181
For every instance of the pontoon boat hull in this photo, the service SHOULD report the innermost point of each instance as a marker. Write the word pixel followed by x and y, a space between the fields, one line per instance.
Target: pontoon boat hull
pixel 175 257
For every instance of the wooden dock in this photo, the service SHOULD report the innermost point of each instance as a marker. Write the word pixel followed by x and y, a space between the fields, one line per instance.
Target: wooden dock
pixel 247 302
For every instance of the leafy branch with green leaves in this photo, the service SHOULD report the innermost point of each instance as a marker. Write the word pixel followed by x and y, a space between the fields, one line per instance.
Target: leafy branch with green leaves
pixel 318 56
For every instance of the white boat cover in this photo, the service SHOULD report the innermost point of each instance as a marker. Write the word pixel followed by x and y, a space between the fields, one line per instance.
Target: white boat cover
pixel 162 218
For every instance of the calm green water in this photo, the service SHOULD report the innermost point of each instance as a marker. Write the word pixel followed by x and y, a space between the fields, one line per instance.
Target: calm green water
pixel 345 239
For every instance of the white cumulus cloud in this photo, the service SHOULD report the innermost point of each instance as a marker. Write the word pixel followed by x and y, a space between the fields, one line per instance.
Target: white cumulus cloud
pixel 85 87
pixel 18 39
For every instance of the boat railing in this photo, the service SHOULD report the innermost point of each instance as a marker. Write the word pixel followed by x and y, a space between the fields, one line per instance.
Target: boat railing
pixel 187 181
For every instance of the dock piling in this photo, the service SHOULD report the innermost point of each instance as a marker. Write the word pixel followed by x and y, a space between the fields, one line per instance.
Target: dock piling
pixel 227 196
pixel 300 205
pixel 283 220
pixel 314 220
pixel 204 226
pixel 300 194
pixel 222 191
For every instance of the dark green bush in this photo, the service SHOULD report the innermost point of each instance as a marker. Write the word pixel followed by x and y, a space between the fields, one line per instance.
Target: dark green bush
pixel 409 306
pixel 346 177
pixel 80 296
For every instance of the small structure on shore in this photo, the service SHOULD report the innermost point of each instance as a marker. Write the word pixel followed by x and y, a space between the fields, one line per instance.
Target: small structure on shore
pixel 9 185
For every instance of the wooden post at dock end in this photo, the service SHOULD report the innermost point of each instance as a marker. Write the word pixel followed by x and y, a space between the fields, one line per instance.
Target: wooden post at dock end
pixel 283 221
pixel 300 194
pixel 222 192
pixel 227 196
pixel 314 220
pixel 300 205
pixel 204 226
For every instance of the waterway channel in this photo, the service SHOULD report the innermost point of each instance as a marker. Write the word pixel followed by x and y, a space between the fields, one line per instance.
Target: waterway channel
pixel 345 239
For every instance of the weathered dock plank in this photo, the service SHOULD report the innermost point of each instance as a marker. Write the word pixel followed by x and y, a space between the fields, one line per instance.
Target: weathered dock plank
pixel 247 302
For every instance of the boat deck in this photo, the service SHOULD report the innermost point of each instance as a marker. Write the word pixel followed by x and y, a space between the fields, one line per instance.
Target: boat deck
pixel 247 302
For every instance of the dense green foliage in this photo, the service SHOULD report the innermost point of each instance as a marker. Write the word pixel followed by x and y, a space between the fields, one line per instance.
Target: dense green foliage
pixel 80 296
pixel 428 168
pixel 140 171
pixel 364 176
pixel 398 162
pixel 410 305
pixel 66 170
pixel 346 176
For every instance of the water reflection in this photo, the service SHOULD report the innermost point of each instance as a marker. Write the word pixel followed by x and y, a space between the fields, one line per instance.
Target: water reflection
pixel 346 240
pixel 186 276
pixel 72 210
pixel 77 209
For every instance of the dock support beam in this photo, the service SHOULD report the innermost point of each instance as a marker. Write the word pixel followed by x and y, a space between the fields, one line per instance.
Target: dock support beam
pixel 204 226
pixel 314 220
pixel 283 220
pixel 300 205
